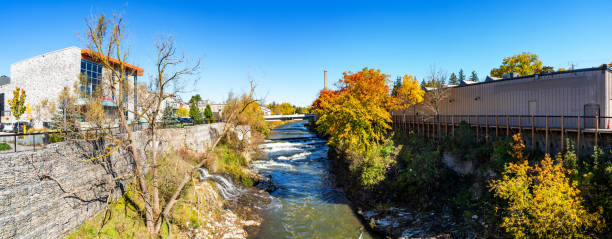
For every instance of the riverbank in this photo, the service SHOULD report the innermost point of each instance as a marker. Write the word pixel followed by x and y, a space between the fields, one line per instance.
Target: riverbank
pixel 384 214
pixel 450 187
pixel 226 204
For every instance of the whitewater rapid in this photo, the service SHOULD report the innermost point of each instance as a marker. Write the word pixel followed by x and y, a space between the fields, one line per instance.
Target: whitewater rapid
pixel 306 204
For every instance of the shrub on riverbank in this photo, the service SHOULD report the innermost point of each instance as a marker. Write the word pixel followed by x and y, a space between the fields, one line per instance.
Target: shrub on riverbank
pixel 231 162
pixel 542 202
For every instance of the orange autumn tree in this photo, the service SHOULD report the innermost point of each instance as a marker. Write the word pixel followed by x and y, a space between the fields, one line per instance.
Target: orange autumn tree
pixel 356 116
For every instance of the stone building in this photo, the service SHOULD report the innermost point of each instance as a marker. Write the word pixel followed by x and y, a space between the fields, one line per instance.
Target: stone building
pixel 46 75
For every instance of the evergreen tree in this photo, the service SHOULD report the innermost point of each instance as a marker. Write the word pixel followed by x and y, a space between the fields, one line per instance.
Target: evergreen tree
pixel 452 80
pixel 474 77
pixel 195 114
pixel 168 115
pixel 396 85
pixel 208 114
pixel 195 99
pixel 461 75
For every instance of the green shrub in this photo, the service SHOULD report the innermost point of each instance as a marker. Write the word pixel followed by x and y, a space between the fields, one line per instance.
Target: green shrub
pixel 465 146
pixel 231 162
pixel 56 137
pixel 372 171
pixel 4 146
pixel 372 166
pixel 594 177
pixel 419 171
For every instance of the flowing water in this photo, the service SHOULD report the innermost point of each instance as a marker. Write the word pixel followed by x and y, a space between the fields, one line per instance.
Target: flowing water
pixel 226 188
pixel 306 204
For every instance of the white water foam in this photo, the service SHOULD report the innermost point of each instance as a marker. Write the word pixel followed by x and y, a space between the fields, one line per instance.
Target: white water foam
pixel 226 188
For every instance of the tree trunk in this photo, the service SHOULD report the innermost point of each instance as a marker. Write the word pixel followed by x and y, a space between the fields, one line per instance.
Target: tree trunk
pixel 156 206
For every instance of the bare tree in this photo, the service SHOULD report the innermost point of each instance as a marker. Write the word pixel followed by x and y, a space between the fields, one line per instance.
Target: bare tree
pixel 105 42
pixel 436 90
pixel 171 68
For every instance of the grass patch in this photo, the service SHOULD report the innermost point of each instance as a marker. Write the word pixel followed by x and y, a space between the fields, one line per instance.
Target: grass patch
pixel 124 219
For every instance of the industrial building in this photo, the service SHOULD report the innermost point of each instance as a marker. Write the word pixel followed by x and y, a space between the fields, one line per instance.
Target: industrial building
pixel 582 92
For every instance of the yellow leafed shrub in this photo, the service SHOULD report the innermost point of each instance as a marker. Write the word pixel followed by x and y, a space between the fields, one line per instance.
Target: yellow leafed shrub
pixel 542 203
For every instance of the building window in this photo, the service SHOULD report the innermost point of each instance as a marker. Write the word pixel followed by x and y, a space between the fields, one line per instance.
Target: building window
pixel 93 73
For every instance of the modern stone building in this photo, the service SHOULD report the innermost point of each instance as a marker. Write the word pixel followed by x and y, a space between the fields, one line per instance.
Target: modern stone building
pixel 46 75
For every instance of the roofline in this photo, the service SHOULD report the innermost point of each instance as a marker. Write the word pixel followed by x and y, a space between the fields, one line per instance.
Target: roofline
pixel 86 53
pixel 602 68
pixel 58 50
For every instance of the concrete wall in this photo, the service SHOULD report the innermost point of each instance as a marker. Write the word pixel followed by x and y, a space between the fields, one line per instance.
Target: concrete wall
pixel 35 207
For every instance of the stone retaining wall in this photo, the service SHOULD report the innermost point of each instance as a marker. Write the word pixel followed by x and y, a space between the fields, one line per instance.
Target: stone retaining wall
pixel 48 193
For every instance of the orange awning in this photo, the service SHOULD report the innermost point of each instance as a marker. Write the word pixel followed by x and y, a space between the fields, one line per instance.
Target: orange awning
pixel 86 54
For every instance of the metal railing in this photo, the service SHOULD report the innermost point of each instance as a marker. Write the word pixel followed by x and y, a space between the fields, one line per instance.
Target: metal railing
pixel 18 142
pixel 544 132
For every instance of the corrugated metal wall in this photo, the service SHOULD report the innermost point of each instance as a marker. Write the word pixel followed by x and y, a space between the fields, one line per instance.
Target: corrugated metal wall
pixel 554 95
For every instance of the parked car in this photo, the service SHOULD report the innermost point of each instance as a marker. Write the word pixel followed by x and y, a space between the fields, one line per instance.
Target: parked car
pixel 9 127
pixel 15 127
pixel 185 120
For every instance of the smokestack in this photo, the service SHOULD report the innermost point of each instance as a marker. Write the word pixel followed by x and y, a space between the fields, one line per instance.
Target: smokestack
pixel 325 77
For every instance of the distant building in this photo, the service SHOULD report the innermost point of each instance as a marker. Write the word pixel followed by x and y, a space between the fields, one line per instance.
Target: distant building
pixel 582 92
pixel 267 111
pixel 44 77
pixel 175 103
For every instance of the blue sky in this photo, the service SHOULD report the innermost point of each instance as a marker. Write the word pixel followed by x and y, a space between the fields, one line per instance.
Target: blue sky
pixel 285 45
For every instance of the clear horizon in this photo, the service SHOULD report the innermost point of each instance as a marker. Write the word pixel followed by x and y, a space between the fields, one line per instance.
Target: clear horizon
pixel 286 46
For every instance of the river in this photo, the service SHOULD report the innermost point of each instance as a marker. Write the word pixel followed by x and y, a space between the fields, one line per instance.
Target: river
pixel 306 204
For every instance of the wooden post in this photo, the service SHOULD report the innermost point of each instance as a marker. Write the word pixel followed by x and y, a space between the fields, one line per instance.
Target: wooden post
pixel 546 141
pixel 453 125
pixel 423 127
pixel 496 126
pixel 562 132
pixel 403 126
pixel 446 126
pixel 437 126
pixel 430 128
pixel 578 139
pixel 521 126
pixel 596 129
pixel 507 126
pixel 477 128
pixel 432 134
pixel 433 127
pixel 532 134
pixel 418 125
pixel 487 128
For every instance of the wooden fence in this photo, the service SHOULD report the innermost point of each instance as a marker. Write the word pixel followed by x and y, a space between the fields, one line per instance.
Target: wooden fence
pixel 547 133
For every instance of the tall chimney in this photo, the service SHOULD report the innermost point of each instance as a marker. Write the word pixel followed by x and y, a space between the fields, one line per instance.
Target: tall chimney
pixel 325 77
